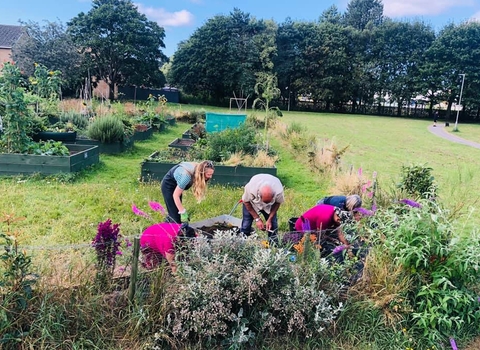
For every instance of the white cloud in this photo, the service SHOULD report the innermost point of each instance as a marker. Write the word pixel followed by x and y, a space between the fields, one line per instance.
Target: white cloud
pixel 166 19
pixel 401 8
pixel 475 17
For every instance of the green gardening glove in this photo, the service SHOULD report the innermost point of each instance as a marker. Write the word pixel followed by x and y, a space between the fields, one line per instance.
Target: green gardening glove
pixel 184 217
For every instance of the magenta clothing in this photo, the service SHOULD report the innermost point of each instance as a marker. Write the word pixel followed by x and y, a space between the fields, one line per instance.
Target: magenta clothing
pixel 160 237
pixel 319 216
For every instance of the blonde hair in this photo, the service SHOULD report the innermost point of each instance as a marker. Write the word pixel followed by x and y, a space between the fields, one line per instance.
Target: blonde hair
pixel 199 185
pixel 353 202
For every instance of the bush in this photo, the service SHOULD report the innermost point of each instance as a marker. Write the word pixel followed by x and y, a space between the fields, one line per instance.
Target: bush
pixel 255 292
pixel 80 121
pixel 221 145
pixel 417 181
pixel 108 129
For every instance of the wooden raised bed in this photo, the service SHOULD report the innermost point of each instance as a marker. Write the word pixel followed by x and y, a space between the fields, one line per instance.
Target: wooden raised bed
pixel 107 148
pixel 81 156
pixel 142 135
pixel 224 174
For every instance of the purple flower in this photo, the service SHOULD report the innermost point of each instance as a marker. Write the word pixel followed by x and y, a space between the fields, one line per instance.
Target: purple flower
pixel 453 344
pixel 374 207
pixel 339 249
pixel 156 207
pixel 139 212
pixel 411 203
pixel 305 225
pixel 128 243
pixel 365 212
pixel 478 299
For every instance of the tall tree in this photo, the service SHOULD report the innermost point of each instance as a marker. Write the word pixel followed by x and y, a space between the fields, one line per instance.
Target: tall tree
pixel 362 13
pixel 222 57
pixel 120 45
pixel 51 46
pixel 400 48
pixel 455 51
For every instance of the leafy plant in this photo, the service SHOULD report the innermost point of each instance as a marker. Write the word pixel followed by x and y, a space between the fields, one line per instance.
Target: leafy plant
pixel 442 268
pixel 108 129
pixel 49 148
pixel 417 181
pixel 16 118
pixel 267 90
pixel 16 283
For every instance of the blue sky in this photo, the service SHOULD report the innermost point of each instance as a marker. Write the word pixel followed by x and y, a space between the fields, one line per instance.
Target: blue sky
pixel 180 18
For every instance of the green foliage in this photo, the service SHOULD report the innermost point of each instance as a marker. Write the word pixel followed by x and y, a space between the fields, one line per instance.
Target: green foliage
pixel 443 266
pixel 48 148
pixel 78 120
pixel 15 286
pixel 16 118
pixel 108 129
pixel 417 181
pixel 119 44
pixel 51 46
pixel 255 292
pixel 219 146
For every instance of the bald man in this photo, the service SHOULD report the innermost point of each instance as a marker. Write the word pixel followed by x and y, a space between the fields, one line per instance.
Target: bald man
pixel 262 196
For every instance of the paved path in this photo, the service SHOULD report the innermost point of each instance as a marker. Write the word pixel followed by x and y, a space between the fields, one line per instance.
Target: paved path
pixel 440 131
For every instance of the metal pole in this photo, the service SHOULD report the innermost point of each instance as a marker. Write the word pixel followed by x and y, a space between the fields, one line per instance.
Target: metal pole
pixel 459 102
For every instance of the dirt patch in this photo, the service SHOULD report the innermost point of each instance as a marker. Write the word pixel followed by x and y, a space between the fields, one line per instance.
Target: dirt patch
pixel 473 345
pixel 209 231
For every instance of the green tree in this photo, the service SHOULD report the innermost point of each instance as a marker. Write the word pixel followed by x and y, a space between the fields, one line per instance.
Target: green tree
pixel 362 13
pixel 456 50
pixel 120 45
pixel 49 45
pixel 401 51
pixel 222 56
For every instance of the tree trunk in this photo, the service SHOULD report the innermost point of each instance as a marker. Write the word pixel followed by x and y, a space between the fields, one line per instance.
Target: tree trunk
pixel 111 92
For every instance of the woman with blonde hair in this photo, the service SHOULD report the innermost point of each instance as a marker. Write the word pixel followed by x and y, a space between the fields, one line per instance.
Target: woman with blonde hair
pixel 180 178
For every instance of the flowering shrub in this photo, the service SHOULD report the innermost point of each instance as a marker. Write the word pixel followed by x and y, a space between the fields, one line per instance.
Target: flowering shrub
pixel 107 246
pixel 442 266
pixel 231 291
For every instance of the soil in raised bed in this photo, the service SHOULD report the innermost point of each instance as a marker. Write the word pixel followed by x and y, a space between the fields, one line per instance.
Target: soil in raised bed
pixel 209 231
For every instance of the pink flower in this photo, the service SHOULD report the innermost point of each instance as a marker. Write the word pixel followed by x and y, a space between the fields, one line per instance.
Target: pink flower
pixel 360 171
pixel 156 207
pixel 139 212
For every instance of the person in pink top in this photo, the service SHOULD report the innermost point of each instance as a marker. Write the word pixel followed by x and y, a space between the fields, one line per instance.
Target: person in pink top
pixel 157 242
pixel 323 217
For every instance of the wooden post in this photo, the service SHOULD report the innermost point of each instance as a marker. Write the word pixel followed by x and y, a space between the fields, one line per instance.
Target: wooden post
pixel 133 275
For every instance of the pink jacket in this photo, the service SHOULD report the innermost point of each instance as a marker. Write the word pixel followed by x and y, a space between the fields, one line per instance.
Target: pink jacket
pixel 160 237
pixel 320 216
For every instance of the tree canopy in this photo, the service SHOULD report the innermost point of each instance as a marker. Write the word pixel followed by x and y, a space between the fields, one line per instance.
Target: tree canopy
pixel 120 45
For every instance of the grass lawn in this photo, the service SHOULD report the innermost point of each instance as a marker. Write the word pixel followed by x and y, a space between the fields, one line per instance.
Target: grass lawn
pixel 64 213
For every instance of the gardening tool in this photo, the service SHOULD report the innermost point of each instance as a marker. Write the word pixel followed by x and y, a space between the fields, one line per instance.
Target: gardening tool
pixel 235 207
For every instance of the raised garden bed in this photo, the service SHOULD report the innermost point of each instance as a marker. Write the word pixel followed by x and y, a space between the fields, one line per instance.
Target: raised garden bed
pixel 183 144
pixel 81 156
pixel 107 148
pixel 140 134
pixel 67 136
pixel 152 170
pixel 221 223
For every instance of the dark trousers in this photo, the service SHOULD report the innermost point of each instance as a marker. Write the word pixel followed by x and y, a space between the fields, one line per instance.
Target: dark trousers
pixel 168 187
pixel 247 221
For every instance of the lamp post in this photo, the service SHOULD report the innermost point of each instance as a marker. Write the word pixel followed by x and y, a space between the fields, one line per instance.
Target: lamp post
pixel 289 92
pixel 459 102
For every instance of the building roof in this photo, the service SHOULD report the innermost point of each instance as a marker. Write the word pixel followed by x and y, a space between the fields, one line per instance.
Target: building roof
pixel 9 35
